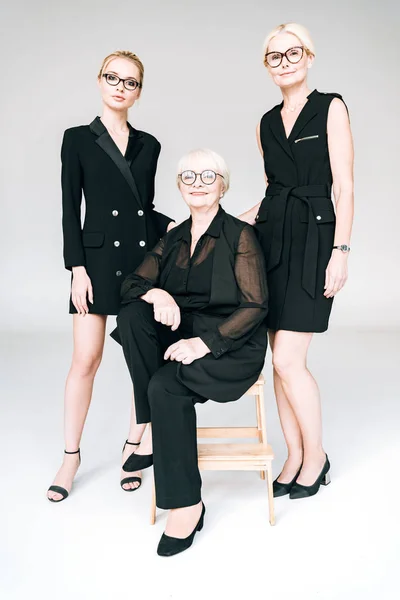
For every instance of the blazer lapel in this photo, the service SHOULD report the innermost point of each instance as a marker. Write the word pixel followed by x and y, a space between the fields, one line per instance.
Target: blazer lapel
pixel 278 129
pixel 105 141
pixel 135 145
pixel 310 109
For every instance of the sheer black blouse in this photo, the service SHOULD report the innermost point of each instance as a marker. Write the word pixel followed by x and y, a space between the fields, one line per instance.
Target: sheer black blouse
pixel 190 280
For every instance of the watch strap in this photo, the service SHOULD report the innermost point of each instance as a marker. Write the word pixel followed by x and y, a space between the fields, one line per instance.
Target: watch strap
pixel 342 247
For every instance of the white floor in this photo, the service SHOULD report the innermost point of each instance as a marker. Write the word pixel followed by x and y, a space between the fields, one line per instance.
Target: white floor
pixel 341 544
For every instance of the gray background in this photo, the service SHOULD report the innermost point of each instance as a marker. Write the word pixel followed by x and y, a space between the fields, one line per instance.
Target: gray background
pixel 205 85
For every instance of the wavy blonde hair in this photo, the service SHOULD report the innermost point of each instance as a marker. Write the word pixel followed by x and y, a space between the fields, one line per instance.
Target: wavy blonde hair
pixel 294 28
pixel 129 56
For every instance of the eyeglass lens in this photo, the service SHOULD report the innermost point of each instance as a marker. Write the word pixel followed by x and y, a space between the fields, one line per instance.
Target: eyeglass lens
pixel 207 177
pixel 293 55
pixel 129 84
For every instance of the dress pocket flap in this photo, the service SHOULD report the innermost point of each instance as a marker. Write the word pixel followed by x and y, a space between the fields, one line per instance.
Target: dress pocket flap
pixel 93 239
pixel 324 215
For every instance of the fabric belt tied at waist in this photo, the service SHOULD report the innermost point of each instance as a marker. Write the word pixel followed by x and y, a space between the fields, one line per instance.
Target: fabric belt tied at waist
pixel 302 193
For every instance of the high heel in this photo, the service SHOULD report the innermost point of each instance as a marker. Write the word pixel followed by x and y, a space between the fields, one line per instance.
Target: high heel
pixel 305 491
pixel 58 489
pixel 169 546
pixel 130 479
pixel 138 462
pixel 282 489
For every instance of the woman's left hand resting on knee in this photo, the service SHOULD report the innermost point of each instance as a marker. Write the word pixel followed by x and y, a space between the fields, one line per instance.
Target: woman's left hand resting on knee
pixel 186 351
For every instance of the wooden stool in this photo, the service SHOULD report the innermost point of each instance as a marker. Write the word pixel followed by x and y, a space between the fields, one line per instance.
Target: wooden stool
pixel 236 456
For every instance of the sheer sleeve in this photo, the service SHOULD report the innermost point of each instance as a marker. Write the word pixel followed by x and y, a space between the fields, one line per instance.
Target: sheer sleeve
pixel 251 280
pixel 145 277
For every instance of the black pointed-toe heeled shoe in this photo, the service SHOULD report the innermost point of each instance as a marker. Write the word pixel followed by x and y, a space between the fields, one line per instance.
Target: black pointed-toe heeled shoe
pixel 130 479
pixel 305 491
pixel 283 489
pixel 57 488
pixel 169 546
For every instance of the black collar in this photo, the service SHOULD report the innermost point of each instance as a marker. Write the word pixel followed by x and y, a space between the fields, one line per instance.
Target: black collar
pixel 214 229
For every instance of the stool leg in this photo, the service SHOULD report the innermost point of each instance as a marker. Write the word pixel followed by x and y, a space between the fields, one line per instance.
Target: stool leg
pixel 259 408
pixel 270 494
pixel 153 505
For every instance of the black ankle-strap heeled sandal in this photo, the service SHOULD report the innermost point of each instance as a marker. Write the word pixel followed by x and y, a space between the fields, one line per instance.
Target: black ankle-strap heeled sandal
pixel 58 489
pixel 130 479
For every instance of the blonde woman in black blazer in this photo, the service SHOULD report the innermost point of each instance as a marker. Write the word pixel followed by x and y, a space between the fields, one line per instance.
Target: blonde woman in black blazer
pixel 114 165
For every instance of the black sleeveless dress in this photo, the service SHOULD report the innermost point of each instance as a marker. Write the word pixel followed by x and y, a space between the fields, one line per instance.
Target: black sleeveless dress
pixel 296 219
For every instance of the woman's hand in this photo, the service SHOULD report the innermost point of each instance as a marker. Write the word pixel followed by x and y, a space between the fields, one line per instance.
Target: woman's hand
pixel 166 310
pixel 336 273
pixel 171 225
pixel 186 351
pixel 81 290
pixel 250 216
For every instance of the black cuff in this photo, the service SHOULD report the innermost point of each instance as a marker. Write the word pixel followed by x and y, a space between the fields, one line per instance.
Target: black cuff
pixel 215 342
pixel 136 291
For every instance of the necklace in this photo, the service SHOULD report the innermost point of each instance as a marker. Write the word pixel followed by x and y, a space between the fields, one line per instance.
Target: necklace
pixel 292 109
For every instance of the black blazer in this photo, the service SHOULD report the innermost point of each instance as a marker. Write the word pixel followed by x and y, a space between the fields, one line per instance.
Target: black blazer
pixel 120 221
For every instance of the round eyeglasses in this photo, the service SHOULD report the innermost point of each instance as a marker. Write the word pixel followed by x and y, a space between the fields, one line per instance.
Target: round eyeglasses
pixel 129 84
pixel 293 55
pixel 207 177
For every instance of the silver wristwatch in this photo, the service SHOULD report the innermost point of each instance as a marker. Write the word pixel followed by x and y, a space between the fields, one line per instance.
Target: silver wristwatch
pixel 343 248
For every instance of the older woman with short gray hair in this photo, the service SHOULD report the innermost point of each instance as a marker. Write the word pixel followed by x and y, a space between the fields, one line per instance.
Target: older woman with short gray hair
pixel 192 329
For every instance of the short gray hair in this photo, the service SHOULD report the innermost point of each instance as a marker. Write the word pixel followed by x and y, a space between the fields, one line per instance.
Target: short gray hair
pixel 216 161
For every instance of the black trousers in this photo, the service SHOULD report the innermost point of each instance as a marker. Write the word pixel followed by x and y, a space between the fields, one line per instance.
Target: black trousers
pixel 162 399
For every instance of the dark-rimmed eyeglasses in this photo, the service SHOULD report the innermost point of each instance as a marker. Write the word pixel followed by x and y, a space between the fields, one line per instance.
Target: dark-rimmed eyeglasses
pixel 293 55
pixel 130 84
pixel 207 177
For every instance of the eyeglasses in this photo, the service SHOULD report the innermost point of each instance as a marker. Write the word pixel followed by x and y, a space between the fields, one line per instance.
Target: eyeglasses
pixel 293 55
pixel 129 84
pixel 207 177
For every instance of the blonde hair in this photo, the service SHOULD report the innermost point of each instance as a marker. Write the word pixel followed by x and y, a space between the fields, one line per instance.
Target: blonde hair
pixel 216 161
pixel 123 54
pixel 294 28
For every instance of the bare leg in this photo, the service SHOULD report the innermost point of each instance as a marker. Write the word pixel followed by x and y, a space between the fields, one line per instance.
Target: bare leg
pixel 290 427
pixel 135 435
pixel 301 390
pixel 88 335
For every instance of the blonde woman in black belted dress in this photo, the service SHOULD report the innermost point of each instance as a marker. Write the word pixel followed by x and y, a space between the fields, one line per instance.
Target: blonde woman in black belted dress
pixel 307 147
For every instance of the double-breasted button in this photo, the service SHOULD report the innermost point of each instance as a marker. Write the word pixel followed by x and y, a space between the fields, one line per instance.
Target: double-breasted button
pixel 319 217
pixel 142 243
pixel 140 213
pixel 117 243
pixel 115 213
pixel 118 273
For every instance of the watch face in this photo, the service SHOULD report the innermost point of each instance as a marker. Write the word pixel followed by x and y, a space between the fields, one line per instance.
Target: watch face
pixel 344 248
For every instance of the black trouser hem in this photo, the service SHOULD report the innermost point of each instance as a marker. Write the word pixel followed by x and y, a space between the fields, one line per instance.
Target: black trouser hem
pixel 169 502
